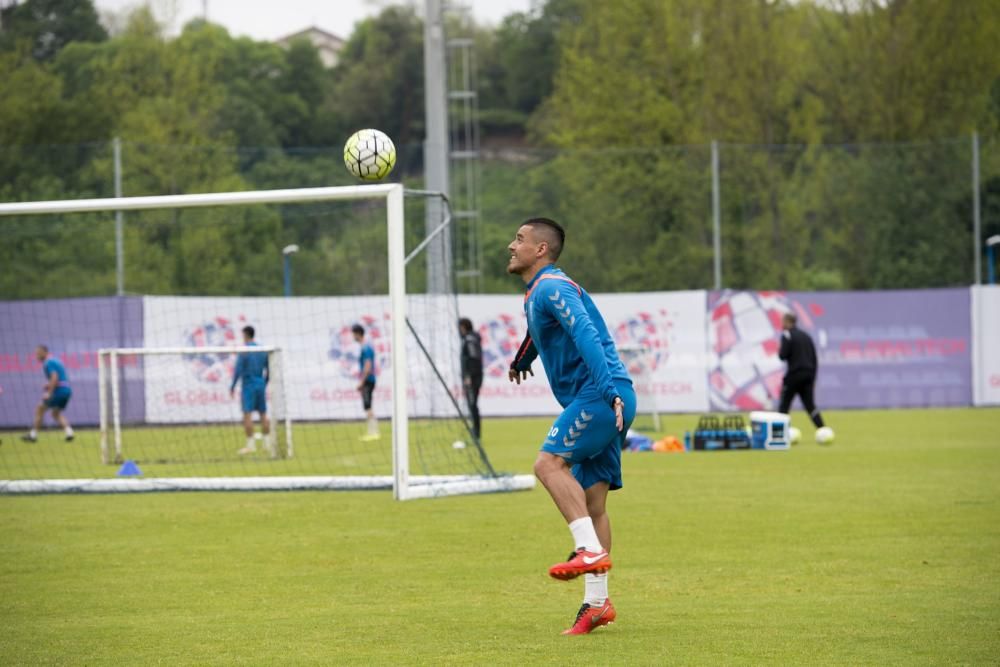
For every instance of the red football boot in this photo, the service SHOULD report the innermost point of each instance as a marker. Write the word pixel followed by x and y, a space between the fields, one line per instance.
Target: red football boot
pixel 590 617
pixel 580 562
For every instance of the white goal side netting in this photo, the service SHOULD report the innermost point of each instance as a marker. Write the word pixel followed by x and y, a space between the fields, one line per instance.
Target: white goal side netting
pixel 639 364
pixel 154 405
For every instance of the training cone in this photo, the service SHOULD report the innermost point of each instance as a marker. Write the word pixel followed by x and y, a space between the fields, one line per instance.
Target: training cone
pixel 129 469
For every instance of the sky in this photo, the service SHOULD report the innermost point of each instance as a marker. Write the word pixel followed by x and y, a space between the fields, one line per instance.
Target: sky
pixel 271 19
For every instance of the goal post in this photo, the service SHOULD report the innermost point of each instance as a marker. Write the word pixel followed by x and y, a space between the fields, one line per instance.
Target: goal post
pixel 404 483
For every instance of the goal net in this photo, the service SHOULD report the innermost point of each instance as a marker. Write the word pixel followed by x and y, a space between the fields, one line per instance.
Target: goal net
pixel 154 403
pixel 639 364
pixel 176 373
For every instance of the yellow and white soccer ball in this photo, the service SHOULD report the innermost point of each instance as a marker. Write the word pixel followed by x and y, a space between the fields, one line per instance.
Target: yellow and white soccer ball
pixel 824 435
pixel 370 155
pixel 794 435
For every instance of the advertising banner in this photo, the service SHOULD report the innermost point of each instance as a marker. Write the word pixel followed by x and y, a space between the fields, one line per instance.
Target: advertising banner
pixel 884 349
pixel 705 351
pixel 73 330
pixel 320 358
pixel 670 325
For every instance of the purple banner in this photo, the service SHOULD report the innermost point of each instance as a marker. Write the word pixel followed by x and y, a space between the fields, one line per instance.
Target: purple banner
pixel 905 348
pixel 73 330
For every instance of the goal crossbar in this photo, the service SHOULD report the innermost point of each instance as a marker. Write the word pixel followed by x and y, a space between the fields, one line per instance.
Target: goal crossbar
pixel 393 194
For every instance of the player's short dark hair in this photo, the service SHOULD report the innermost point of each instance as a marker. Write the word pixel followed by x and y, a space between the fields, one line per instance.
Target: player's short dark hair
pixel 248 330
pixel 791 318
pixel 554 233
pixel 358 329
pixel 43 347
pixel 465 323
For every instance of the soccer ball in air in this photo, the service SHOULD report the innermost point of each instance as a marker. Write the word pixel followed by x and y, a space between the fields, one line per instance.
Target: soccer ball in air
pixel 824 435
pixel 794 435
pixel 370 155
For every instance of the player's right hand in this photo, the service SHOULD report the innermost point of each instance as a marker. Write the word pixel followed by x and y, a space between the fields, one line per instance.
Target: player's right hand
pixel 619 407
pixel 517 376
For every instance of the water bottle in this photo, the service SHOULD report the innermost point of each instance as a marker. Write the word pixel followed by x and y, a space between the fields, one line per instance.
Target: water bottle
pixel 687 441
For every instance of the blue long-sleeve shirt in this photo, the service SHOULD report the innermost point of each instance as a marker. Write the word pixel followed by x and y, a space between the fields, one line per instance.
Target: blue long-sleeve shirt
pixel 567 331
pixel 251 368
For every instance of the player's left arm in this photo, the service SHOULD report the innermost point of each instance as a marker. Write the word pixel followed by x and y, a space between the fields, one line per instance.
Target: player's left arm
pixel 564 302
pixel 267 369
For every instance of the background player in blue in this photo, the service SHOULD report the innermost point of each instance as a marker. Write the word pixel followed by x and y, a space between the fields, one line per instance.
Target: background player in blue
pixel 580 460
pixel 55 395
pixel 366 363
pixel 252 372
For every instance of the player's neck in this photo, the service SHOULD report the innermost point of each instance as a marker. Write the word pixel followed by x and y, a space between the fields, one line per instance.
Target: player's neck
pixel 535 269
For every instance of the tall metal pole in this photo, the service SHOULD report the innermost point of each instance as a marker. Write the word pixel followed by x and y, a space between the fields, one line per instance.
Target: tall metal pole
pixel 119 222
pixel 977 246
pixel 436 146
pixel 716 222
pixel 288 275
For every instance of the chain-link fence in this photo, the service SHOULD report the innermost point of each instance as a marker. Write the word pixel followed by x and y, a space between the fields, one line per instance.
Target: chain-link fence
pixel 865 216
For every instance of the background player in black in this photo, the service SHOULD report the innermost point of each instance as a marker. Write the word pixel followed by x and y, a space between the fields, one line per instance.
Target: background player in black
pixel 798 350
pixel 472 369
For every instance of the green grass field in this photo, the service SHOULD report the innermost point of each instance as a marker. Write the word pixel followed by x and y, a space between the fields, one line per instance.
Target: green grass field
pixel 882 550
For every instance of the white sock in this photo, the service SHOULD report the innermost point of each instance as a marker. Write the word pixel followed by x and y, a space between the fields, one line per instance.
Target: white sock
pixel 69 430
pixel 33 433
pixel 257 436
pixel 251 444
pixel 595 590
pixel 372 426
pixel 584 534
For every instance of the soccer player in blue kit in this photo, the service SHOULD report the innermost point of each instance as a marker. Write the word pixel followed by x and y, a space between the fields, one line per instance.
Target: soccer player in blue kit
pixel 55 395
pixel 253 372
pixel 580 459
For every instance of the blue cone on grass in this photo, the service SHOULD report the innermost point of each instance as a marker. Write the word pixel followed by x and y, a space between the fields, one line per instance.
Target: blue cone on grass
pixel 129 469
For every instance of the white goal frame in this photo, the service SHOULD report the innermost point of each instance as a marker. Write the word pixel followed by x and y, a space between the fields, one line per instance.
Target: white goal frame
pixel 404 486
pixel 108 383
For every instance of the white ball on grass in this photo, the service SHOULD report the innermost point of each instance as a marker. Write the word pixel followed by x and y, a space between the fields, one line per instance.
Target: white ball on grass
pixel 824 435
pixel 458 444
pixel 794 435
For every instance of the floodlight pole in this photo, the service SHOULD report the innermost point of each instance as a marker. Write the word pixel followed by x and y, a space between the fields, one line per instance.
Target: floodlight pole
pixel 436 146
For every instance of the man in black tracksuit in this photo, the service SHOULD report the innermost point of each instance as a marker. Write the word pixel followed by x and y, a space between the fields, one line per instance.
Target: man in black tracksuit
pixel 798 350
pixel 472 370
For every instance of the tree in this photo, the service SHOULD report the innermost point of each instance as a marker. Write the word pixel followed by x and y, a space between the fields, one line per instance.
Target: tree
pixel 378 80
pixel 49 25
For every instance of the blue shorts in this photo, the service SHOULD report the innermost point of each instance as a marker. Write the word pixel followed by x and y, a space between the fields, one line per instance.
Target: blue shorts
pixel 254 397
pixel 586 436
pixel 59 398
